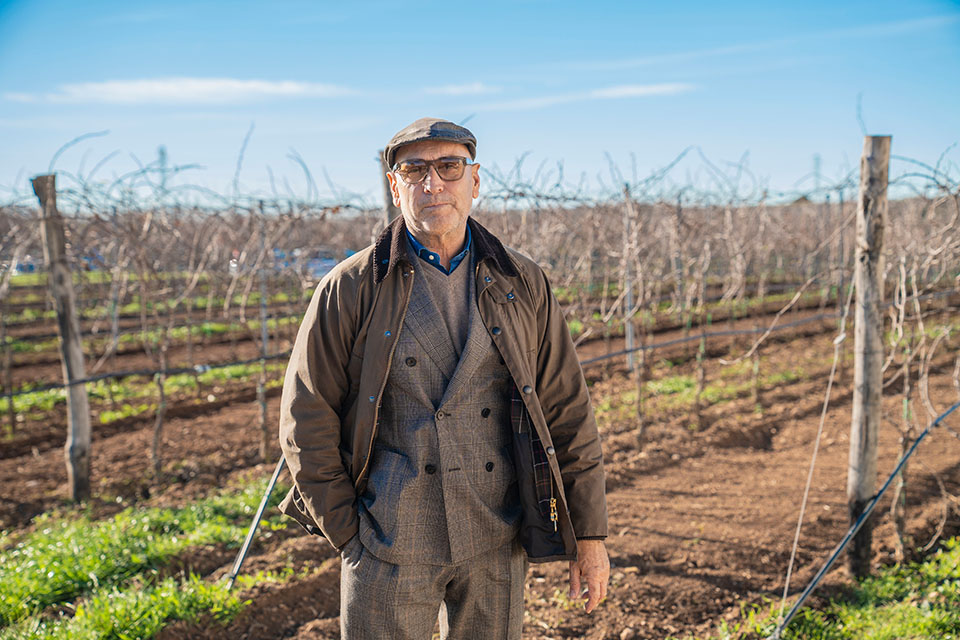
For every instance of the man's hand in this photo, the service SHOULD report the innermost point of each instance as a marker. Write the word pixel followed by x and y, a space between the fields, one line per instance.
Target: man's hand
pixel 593 568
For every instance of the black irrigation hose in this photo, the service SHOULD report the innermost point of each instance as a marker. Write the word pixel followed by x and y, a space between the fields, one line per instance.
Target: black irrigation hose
pixel 857 525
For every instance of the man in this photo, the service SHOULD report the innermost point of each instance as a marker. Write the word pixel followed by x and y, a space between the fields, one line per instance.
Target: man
pixel 435 417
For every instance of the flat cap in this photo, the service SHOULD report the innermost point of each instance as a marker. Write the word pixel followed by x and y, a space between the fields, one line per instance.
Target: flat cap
pixel 430 129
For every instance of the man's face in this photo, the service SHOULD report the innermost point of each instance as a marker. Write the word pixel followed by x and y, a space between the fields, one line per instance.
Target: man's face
pixel 434 208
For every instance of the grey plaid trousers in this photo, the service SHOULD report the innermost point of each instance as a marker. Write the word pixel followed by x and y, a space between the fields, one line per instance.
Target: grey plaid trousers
pixel 478 598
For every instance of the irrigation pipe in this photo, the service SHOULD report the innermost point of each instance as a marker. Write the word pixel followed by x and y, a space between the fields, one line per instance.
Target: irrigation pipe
pixel 857 525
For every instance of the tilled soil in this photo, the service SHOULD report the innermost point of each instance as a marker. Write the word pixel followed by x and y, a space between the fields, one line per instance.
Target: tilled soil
pixel 701 517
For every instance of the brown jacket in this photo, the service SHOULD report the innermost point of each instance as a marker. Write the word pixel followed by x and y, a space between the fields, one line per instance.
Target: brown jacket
pixel 340 363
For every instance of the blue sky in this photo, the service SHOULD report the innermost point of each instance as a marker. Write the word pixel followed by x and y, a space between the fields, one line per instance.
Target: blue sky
pixel 570 82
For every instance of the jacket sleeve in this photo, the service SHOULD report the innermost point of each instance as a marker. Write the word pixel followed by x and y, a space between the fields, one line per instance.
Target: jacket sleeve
pixel 565 401
pixel 315 388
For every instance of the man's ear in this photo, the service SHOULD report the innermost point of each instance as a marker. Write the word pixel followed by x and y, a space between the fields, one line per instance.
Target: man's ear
pixel 476 180
pixel 394 190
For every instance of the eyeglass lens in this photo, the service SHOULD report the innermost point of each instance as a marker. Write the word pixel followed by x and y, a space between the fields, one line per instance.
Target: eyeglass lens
pixel 449 169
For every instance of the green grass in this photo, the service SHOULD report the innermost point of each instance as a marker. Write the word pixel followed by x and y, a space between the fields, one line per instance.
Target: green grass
pixel 134 612
pixel 680 392
pixel 132 306
pixel 684 393
pixel 71 555
pixel 152 336
pixel 131 392
pixel 575 326
pixel 920 601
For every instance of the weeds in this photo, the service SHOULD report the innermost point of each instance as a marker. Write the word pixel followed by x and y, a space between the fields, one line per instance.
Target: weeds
pixel 920 601
pixel 69 556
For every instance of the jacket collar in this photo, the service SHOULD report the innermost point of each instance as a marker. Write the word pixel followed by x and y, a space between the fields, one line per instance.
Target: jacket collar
pixel 390 248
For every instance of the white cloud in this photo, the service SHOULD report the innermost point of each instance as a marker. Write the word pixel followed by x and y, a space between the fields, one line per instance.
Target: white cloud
pixel 639 90
pixel 607 93
pixel 180 91
pixel 471 89
pixel 875 30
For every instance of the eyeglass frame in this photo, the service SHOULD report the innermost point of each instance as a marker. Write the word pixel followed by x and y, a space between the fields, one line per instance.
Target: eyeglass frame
pixel 432 164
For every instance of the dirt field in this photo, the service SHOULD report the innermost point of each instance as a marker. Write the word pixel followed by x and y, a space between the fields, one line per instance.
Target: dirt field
pixel 701 518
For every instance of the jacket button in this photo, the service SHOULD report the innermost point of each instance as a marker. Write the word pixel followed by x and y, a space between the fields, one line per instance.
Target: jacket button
pixel 489 466
pixel 440 415
pixel 487 279
pixel 510 296
pixel 411 362
pixel 485 412
pixel 386 333
pixel 527 389
pixel 551 450
pixel 496 331
pixel 430 469
pixel 372 398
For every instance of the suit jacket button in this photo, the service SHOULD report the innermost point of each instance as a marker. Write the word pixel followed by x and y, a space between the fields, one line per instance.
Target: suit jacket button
pixel 551 450
pixel 527 389
pixel 411 362
pixel 430 469
pixel 496 331
pixel 489 466
pixel 485 412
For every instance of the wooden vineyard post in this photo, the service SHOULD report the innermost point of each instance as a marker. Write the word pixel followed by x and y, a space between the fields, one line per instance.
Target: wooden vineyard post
pixel 702 372
pixel 390 209
pixel 264 337
pixel 643 373
pixel 868 345
pixel 628 280
pixel 7 366
pixel 59 279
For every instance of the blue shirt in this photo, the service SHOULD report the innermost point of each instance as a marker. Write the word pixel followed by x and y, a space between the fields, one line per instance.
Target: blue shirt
pixel 434 258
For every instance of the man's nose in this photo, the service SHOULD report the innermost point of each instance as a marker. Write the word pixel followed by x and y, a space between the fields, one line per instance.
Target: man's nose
pixel 432 182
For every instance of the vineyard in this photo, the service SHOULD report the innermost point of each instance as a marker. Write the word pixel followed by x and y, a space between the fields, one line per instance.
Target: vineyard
pixel 708 320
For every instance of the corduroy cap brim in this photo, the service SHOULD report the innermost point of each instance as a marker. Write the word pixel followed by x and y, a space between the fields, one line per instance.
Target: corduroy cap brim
pixel 430 129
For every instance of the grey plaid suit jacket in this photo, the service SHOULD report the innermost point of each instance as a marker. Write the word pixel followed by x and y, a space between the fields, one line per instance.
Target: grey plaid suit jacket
pixel 442 485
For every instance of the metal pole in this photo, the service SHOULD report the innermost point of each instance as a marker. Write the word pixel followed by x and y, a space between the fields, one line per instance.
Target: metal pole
pixel 241 556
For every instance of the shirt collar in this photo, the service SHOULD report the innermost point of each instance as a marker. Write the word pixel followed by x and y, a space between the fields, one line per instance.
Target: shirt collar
pixel 434 258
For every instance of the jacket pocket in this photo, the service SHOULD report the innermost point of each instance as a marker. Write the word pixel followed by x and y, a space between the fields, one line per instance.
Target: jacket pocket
pixel 293 506
pixel 390 474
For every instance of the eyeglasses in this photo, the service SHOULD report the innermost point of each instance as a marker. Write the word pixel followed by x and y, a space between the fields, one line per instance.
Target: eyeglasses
pixel 449 169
